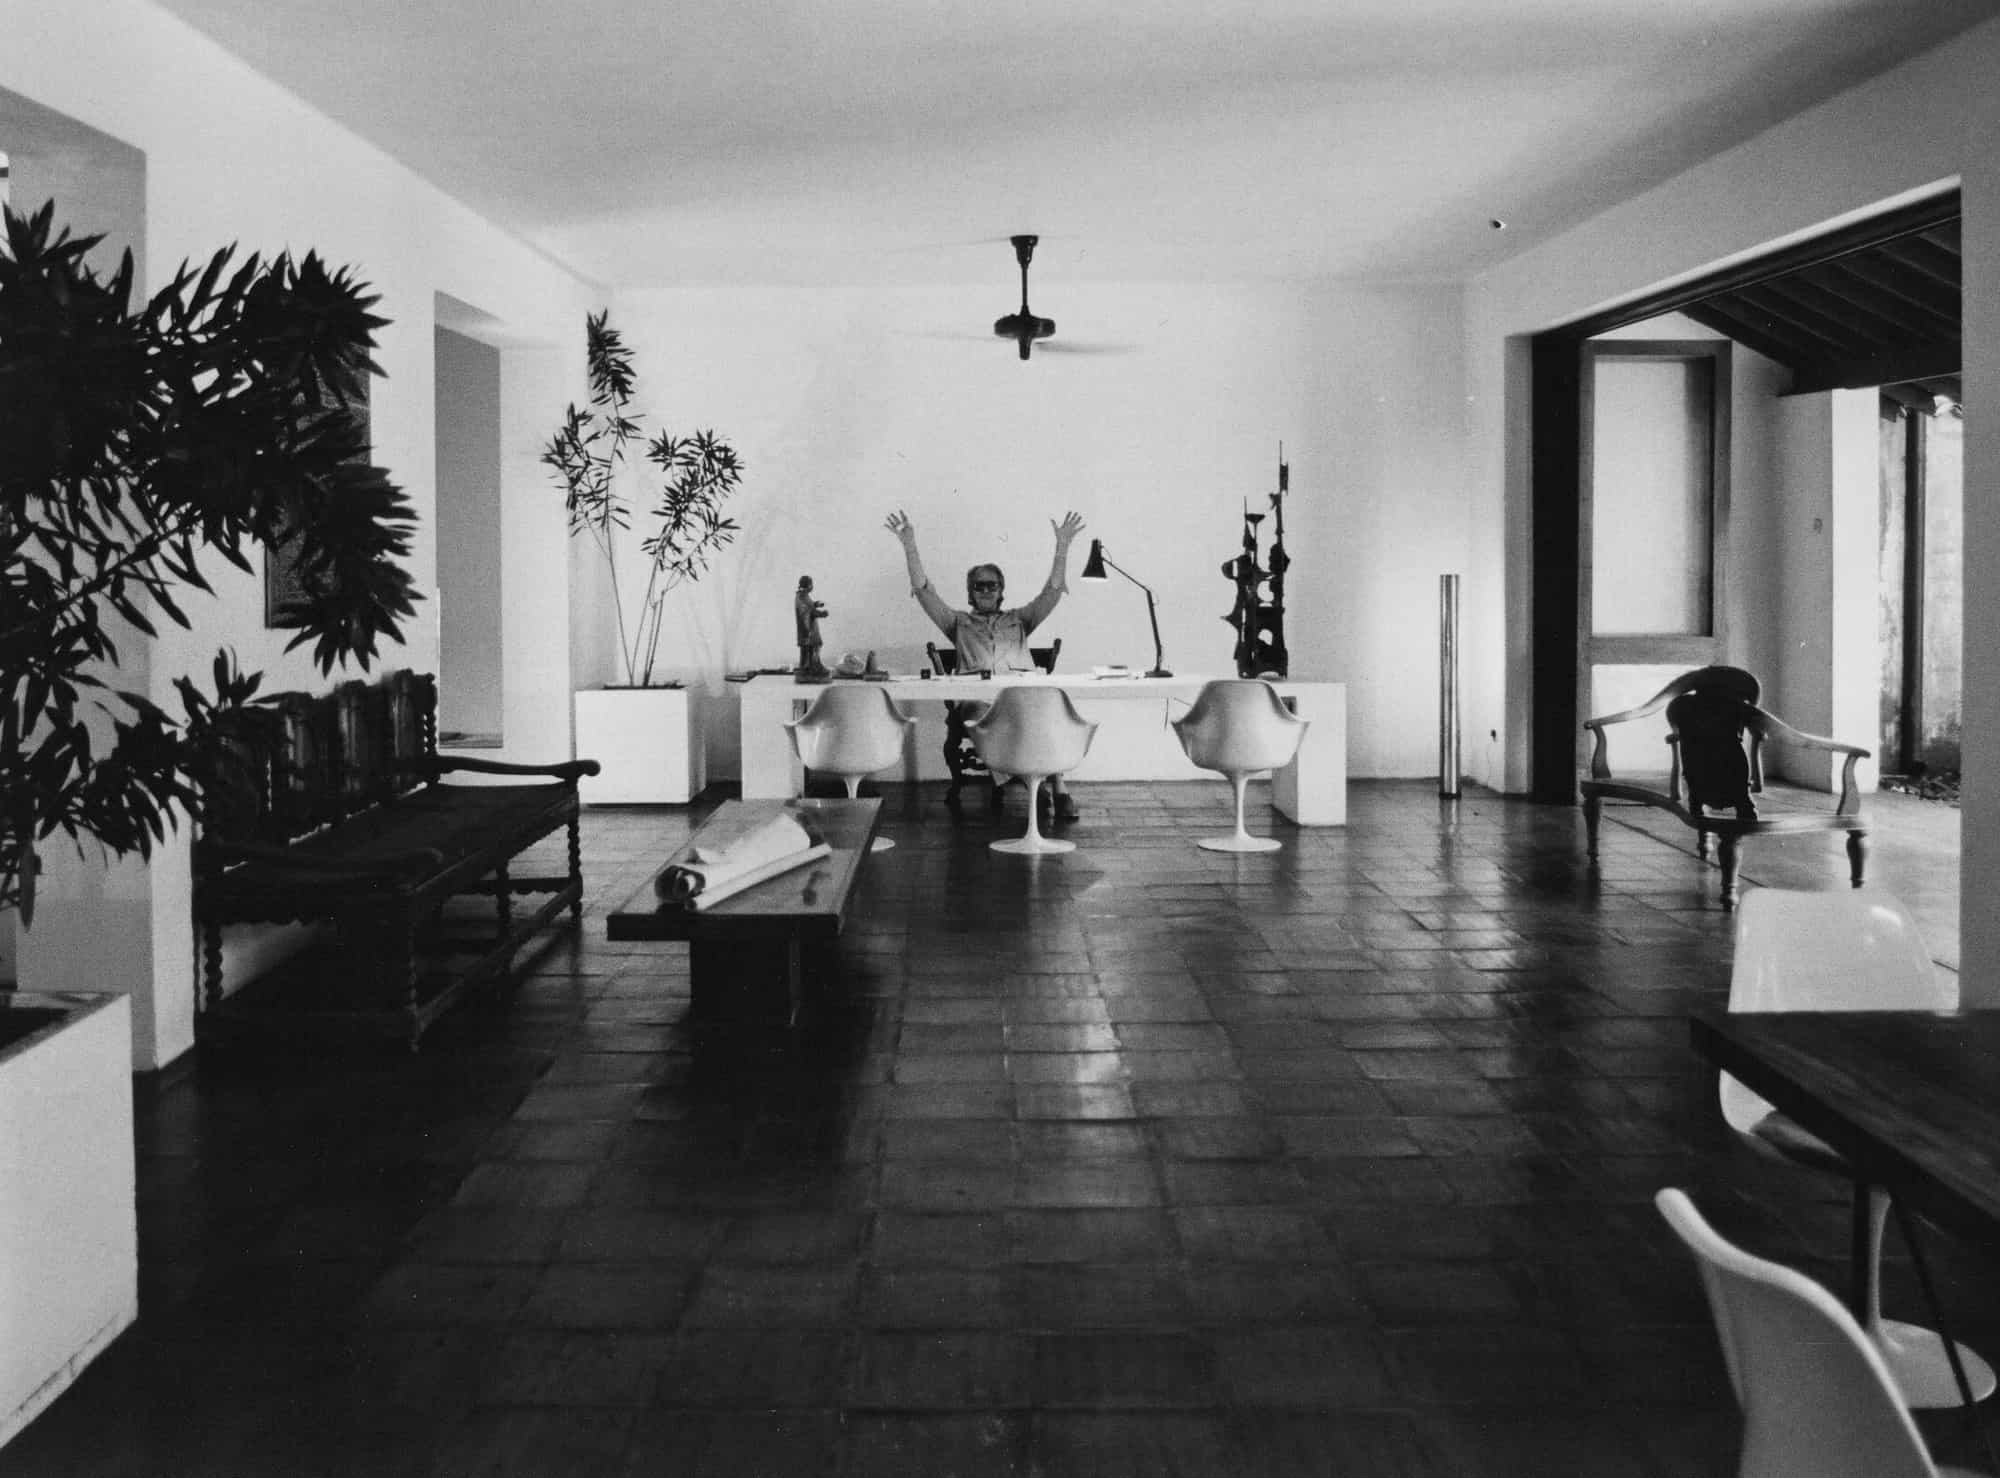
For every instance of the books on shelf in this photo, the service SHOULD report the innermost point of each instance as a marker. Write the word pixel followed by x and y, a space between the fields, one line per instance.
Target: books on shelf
pixel 723 865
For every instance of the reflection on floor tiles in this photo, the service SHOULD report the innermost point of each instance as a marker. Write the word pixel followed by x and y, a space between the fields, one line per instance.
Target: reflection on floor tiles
pixel 1136 1160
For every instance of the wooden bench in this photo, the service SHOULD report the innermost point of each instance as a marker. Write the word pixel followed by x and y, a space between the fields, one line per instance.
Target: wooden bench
pixel 756 956
pixel 334 812
pixel 1711 712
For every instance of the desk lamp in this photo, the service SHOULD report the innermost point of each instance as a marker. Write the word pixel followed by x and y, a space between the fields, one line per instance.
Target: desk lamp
pixel 1093 569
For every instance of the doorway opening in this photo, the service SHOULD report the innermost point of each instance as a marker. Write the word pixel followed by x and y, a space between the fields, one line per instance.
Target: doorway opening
pixel 471 657
pixel 1922 594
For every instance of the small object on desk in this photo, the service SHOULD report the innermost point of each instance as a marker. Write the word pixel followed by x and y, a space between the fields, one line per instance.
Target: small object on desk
pixel 1116 669
pixel 924 674
pixel 806 614
pixel 871 672
pixel 850 665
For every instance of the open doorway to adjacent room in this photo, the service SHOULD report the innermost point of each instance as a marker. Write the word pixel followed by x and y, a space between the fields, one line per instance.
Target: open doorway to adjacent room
pixel 1922 634
pixel 472 662
pixel 1832 550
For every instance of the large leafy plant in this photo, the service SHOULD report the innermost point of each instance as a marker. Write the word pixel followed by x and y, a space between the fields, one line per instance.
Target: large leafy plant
pixel 700 471
pixel 135 446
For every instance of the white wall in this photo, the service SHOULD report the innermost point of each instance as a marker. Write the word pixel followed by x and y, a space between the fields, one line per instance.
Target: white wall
pixel 1911 131
pixel 847 405
pixel 1802 681
pixel 230 157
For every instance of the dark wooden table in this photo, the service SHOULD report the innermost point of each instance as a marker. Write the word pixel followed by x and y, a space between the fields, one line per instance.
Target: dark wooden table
pixel 753 955
pixel 1910 1098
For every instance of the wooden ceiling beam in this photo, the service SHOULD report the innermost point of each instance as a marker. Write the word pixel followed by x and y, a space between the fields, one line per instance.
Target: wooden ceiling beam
pixel 1907 294
pixel 1723 315
pixel 1799 320
pixel 1910 362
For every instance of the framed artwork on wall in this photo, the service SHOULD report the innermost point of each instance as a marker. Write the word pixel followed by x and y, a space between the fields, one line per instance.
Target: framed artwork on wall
pixel 284 591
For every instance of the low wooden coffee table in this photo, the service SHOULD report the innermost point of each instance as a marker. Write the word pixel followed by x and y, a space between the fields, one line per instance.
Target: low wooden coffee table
pixel 750 956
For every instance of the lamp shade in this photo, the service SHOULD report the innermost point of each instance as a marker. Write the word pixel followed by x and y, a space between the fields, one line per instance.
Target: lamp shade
pixel 1093 568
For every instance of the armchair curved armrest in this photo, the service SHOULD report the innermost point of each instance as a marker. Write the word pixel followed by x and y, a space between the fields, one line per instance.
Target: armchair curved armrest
pixel 570 770
pixel 1767 726
pixel 1776 728
pixel 290 859
pixel 1645 710
pixel 1600 746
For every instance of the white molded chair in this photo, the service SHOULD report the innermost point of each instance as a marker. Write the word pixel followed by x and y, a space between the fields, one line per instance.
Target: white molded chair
pixel 1844 951
pixel 1032 733
pixel 1240 726
pixel 851 730
pixel 1818 1400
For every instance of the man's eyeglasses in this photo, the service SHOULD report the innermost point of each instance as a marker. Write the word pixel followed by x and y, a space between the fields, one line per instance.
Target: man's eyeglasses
pixel 983 585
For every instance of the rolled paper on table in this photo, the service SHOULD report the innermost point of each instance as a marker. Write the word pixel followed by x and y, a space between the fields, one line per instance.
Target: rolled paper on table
pixel 721 865
pixel 678 884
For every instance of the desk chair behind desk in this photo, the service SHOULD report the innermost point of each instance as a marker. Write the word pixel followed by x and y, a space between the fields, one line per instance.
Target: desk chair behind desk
pixel 960 757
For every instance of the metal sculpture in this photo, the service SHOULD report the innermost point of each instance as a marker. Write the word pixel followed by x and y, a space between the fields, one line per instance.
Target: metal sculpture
pixel 1258 618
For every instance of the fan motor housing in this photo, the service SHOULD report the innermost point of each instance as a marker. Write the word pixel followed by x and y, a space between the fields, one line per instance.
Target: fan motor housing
pixel 1024 325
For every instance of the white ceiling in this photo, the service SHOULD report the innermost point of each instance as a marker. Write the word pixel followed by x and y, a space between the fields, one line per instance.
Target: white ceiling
pixel 894 141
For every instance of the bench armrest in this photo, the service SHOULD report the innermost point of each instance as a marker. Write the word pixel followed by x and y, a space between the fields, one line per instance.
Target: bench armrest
pixel 570 770
pixel 331 869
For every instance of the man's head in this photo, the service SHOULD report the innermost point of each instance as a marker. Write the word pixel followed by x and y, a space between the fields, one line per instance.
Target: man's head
pixel 984 587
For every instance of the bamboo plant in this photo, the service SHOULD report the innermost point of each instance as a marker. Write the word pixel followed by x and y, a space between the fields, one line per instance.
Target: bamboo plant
pixel 586 457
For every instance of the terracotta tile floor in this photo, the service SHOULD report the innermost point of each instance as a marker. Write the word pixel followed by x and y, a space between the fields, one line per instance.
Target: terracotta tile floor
pixel 1142 1160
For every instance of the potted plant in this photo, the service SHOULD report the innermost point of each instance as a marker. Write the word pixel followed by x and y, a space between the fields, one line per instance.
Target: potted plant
pixel 137 444
pixel 641 731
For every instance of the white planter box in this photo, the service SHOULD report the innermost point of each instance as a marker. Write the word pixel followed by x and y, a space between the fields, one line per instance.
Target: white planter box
pixel 69 1248
pixel 649 741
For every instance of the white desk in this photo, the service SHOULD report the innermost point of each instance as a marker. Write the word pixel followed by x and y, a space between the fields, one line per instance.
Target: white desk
pixel 1132 744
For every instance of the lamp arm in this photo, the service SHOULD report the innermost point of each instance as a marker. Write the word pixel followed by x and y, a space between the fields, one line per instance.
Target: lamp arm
pixel 1125 572
pixel 1153 615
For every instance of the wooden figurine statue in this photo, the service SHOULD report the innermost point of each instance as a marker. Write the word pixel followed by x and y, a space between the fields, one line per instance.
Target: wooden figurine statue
pixel 806 613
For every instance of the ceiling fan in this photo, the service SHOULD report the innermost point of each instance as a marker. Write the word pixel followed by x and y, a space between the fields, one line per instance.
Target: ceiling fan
pixel 1023 327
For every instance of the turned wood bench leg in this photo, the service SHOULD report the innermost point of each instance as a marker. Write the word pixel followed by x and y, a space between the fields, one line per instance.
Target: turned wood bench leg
pixel 399 958
pixel 1732 847
pixel 503 901
pixel 576 872
pixel 211 938
pixel 1593 809
pixel 1857 855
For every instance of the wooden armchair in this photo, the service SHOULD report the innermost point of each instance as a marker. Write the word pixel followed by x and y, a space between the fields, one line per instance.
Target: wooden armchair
pixel 960 758
pixel 1715 750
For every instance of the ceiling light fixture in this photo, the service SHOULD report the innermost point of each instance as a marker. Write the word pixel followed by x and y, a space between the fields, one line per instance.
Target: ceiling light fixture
pixel 1023 327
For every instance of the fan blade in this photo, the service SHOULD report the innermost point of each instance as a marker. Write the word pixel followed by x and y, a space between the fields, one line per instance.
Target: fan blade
pixel 1071 346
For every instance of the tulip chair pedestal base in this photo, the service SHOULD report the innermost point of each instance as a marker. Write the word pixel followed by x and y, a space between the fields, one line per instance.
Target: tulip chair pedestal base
pixel 1033 845
pixel 1917 1359
pixel 1239 844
